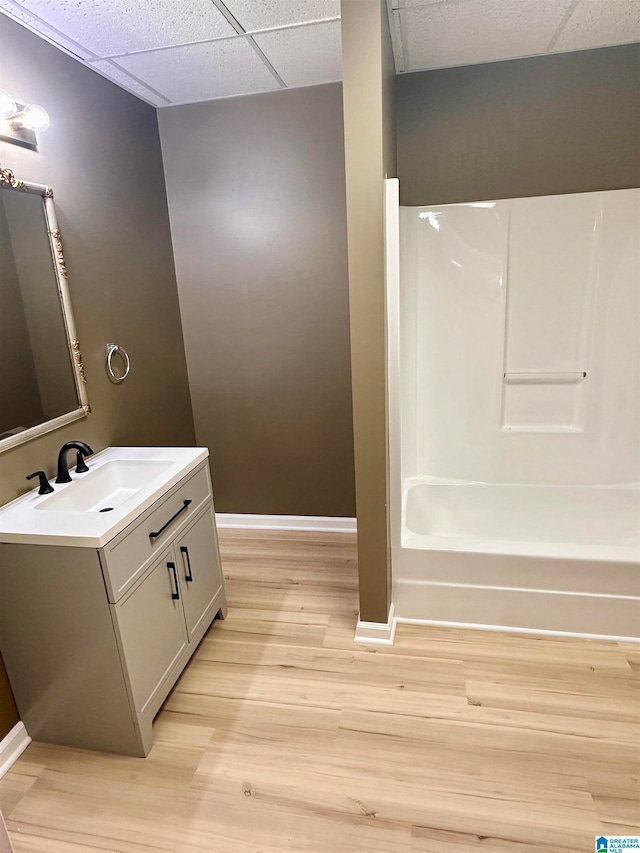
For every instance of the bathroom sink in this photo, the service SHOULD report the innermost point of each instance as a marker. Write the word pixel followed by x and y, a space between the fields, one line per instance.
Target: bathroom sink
pixel 106 487
pixel 122 482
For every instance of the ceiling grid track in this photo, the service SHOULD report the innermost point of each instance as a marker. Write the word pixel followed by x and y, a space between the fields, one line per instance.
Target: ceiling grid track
pixel 262 56
pixel 396 38
pixel 220 6
pixel 406 58
pixel 142 83
pixel 563 23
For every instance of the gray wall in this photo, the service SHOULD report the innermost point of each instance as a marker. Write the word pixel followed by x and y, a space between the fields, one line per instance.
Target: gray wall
pixel 256 194
pixel 102 157
pixel 547 125
pixel 8 711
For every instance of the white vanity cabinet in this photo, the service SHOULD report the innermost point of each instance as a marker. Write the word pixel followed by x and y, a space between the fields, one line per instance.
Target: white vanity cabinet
pixel 169 610
pixel 93 639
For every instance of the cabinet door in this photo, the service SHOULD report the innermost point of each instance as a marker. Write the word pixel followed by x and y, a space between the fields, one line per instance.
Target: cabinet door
pixel 200 572
pixel 152 629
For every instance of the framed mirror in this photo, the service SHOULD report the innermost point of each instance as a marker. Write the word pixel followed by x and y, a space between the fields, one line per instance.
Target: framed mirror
pixel 42 382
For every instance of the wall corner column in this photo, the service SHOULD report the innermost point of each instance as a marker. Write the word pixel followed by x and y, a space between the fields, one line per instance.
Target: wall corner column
pixel 369 125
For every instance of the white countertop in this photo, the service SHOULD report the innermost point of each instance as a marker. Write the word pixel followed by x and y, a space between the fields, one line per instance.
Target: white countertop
pixel 20 523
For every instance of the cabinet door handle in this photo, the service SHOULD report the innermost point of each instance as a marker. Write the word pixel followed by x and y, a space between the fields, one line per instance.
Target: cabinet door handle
pixel 171 520
pixel 175 595
pixel 188 574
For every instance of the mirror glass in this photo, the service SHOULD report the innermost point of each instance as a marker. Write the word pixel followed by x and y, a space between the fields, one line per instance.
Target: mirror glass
pixel 40 379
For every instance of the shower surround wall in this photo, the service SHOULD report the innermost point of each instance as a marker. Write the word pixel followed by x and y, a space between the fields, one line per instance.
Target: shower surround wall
pixel 515 413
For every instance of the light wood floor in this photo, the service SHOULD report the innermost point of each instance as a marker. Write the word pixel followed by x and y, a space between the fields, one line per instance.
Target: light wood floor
pixel 284 735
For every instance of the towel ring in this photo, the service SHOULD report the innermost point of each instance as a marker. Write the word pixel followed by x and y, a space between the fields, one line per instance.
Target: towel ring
pixel 114 348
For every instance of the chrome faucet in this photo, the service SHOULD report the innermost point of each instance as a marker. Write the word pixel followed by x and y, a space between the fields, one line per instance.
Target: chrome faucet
pixel 63 468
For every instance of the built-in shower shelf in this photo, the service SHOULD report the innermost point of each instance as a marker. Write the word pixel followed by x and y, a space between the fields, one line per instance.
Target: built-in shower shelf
pixel 543 401
pixel 567 378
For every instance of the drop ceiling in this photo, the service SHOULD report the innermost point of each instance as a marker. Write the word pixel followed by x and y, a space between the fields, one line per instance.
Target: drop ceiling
pixel 181 51
pixel 429 34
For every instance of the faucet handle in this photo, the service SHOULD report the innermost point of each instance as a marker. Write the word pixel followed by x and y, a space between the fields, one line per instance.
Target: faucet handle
pixel 81 465
pixel 45 486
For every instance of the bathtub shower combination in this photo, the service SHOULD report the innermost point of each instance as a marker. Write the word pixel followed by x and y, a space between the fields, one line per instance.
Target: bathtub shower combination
pixel 514 412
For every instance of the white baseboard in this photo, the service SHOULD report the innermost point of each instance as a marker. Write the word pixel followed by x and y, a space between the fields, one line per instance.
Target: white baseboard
pixel 379 633
pixel 319 523
pixel 12 746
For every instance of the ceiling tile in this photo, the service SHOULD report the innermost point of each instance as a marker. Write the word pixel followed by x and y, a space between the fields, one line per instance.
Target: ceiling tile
pixel 199 72
pixel 18 13
pixel 304 56
pixel 463 33
pixel 109 27
pixel 262 14
pixel 598 23
pixel 113 72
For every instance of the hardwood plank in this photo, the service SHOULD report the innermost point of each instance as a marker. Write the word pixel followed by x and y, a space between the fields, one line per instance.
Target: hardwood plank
pixel 299 790
pixel 426 840
pixel 631 652
pixel 170 764
pixel 108 815
pixel 620 828
pixel 289 627
pixel 619 810
pixel 561 689
pixel 16 784
pixel 568 728
pixel 472 644
pixel 340 667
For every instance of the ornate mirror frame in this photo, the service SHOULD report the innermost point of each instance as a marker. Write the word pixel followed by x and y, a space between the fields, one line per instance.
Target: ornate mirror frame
pixel 9 181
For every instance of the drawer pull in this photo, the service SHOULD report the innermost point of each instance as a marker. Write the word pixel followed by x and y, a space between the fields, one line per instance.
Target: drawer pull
pixel 188 575
pixel 171 520
pixel 175 595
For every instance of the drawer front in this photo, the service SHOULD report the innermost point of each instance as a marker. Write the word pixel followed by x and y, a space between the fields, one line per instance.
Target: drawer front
pixel 129 555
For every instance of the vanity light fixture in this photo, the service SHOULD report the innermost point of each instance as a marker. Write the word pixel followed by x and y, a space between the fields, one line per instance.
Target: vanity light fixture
pixel 19 123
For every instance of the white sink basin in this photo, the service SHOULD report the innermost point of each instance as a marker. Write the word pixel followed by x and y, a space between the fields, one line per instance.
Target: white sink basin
pixel 122 482
pixel 106 487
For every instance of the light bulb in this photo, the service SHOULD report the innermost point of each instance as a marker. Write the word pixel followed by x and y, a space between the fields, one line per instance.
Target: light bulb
pixel 35 117
pixel 7 104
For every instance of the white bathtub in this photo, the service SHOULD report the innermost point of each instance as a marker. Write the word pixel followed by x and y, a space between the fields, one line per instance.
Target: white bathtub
pixel 544 559
pixel 583 522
